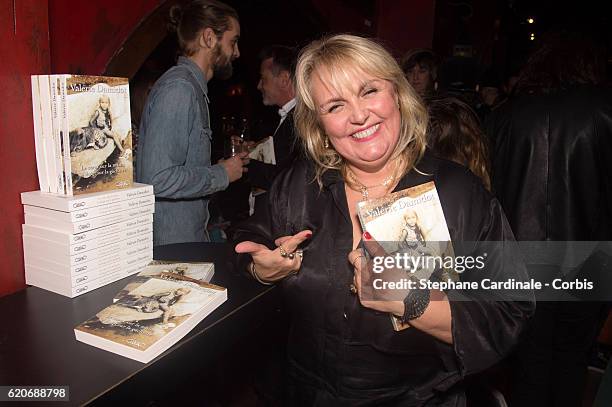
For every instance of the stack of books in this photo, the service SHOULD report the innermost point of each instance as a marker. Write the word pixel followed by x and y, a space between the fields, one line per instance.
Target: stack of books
pixel 89 224
pixel 76 244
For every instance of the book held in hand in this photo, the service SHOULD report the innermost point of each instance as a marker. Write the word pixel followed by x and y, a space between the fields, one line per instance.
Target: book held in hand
pixel 411 223
pixel 151 318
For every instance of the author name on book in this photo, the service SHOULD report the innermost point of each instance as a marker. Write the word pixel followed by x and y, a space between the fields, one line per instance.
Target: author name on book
pixel 97 88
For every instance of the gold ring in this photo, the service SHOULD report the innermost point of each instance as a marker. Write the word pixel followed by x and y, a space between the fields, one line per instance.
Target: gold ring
pixel 283 252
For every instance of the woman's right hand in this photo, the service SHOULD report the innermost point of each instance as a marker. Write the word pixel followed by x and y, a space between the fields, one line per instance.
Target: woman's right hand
pixel 270 265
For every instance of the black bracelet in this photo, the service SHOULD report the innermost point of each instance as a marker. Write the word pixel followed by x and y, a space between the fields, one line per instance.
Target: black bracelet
pixel 415 304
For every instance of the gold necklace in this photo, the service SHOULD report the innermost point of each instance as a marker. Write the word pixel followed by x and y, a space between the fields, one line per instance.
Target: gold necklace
pixel 363 188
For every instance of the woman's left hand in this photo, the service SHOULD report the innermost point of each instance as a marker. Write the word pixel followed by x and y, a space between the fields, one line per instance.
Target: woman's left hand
pixel 436 320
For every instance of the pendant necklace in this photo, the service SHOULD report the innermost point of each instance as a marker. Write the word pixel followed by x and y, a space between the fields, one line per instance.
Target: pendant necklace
pixel 363 188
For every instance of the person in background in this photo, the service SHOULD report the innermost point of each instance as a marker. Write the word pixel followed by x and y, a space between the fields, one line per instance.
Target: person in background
pixel 140 86
pixel 421 69
pixel 552 143
pixel 175 134
pixel 277 89
pixel 490 93
pixel 364 127
pixel 455 134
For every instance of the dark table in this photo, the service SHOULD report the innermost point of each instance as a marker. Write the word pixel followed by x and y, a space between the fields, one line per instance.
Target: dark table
pixel 37 344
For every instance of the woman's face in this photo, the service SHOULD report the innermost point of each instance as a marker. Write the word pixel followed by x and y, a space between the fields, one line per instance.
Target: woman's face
pixel 104 104
pixel 362 121
pixel 420 79
pixel 411 219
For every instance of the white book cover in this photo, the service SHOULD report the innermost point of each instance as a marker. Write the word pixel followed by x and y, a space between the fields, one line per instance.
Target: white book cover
pixel 95 212
pixel 100 236
pixel 47 132
pixel 65 137
pixel 63 285
pixel 151 318
pixel 101 266
pixel 89 276
pixel 62 254
pixel 68 249
pixel 100 132
pixel 57 136
pixel 88 224
pixel 75 203
pixel 410 222
pixel 43 181
pixel 63 133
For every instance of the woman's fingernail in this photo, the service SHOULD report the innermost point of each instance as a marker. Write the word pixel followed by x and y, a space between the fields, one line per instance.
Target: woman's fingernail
pixel 308 235
pixel 367 235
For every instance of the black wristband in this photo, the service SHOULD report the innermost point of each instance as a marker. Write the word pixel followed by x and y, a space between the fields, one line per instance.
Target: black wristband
pixel 415 304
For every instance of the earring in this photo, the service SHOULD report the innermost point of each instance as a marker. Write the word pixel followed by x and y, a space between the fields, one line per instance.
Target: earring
pixel 326 143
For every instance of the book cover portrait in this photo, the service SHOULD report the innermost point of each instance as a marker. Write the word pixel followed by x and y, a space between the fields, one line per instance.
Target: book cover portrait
pixel 403 220
pixel 148 313
pixel 99 125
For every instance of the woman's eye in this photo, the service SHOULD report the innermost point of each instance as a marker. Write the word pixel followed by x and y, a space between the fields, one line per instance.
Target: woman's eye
pixel 370 91
pixel 333 108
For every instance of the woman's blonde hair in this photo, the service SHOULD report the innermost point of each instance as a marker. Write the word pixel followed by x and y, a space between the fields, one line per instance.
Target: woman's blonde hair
pixel 345 57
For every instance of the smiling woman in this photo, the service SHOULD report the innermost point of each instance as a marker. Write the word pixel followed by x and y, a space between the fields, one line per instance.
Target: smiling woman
pixel 355 98
pixel 363 128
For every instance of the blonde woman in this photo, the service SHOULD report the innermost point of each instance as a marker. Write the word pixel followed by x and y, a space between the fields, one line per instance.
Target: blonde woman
pixel 363 127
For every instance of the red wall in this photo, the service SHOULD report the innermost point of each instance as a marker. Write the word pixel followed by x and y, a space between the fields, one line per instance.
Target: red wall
pixel 24 50
pixel 86 34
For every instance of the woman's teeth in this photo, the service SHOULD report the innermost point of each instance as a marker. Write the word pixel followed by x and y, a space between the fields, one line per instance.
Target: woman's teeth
pixel 367 132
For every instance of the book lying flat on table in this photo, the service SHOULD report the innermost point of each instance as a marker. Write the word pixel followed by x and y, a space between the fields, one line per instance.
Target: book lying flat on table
pixel 410 221
pixel 191 271
pixel 151 318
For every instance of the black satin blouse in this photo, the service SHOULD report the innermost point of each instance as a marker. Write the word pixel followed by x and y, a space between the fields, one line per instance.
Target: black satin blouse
pixel 341 353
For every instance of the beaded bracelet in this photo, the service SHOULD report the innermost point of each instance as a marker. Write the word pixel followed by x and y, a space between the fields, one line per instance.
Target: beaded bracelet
pixel 415 304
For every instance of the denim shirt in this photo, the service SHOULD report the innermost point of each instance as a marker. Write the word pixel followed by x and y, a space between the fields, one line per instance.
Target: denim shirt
pixel 174 149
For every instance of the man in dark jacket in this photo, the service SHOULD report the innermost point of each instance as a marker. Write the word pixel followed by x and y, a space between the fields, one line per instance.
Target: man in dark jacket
pixel 551 155
pixel 276 87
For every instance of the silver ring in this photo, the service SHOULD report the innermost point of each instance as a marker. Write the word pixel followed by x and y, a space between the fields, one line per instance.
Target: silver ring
pixel 300 253
pixel 283 252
